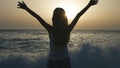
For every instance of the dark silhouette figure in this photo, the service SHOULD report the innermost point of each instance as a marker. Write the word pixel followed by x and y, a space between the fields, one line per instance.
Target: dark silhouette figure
pixel 59 34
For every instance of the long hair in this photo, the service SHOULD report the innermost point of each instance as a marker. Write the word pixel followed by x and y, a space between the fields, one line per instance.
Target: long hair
pixel 60 27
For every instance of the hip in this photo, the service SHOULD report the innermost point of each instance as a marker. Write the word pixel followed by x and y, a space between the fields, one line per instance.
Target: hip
pixel 62 63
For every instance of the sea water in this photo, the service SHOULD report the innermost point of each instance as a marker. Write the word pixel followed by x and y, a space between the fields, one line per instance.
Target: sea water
pixel 87 48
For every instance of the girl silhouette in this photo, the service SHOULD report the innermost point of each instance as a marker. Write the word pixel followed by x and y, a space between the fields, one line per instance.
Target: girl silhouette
pixel 59 34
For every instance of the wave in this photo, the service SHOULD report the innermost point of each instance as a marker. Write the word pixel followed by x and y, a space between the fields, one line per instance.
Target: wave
pixel 96 49
pixel 89 56
pixel 95 57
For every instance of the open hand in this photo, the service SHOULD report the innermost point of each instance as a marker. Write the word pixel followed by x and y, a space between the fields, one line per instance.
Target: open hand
pixel 93 2
pixel 22 5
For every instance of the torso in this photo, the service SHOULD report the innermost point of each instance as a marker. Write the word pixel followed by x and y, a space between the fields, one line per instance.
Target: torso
pixel 57 52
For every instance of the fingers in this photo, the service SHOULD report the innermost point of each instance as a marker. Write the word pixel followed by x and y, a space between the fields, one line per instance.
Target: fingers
pixel 19 5
pixel 93 2
pixel 23 2
pixel 96 1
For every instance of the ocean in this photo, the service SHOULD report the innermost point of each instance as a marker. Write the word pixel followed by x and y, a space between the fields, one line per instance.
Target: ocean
pixel 87 48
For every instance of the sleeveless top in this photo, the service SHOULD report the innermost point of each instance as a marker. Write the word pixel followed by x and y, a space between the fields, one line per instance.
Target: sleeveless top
pixel 57 52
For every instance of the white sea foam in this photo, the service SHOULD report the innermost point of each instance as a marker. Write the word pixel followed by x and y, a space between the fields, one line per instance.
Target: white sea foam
pixel 88 49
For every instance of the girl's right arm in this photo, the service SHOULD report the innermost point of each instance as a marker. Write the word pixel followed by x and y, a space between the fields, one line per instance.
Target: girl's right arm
pixel 22 5
pixel 92 2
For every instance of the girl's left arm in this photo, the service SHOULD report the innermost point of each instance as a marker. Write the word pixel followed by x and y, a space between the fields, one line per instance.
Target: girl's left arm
pixel 22 5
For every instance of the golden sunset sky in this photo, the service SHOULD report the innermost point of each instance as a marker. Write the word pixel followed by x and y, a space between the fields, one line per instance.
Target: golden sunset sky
pixel 103 16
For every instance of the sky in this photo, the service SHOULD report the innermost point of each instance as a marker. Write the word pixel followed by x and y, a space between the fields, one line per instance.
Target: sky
pixel 103 16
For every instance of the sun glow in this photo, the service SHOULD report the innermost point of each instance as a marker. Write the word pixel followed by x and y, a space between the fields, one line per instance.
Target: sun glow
pixel 70 10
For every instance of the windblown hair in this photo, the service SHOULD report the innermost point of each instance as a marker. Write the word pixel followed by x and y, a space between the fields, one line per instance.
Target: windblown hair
pixel 60 27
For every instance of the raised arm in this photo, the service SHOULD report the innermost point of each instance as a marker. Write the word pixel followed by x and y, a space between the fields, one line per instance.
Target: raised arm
pixel 75 20
pixel 22 5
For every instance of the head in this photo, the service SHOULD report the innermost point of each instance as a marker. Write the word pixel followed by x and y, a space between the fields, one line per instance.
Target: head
pixel 60 24
pixel 59 18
